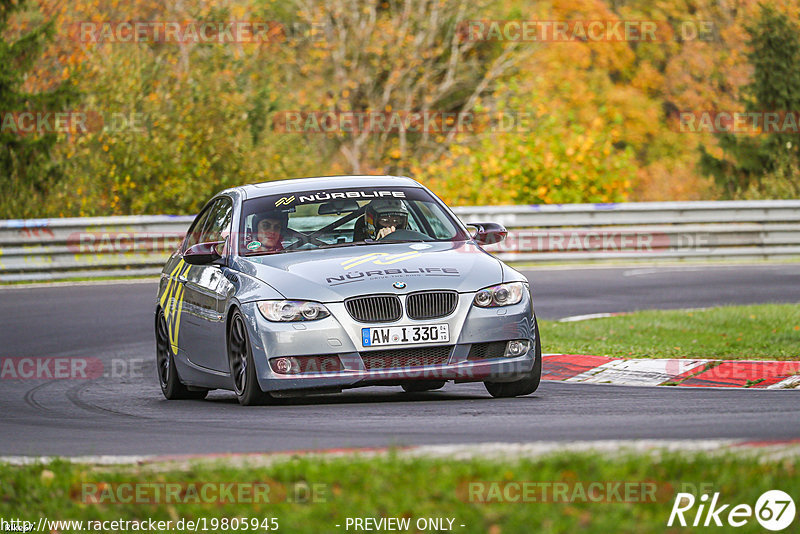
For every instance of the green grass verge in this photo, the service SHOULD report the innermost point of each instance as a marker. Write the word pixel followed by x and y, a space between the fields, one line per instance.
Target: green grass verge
pixel 765 332
pixel 391 486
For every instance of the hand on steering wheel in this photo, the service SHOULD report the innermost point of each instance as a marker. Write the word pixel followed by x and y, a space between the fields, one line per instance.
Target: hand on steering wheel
pixel 383 232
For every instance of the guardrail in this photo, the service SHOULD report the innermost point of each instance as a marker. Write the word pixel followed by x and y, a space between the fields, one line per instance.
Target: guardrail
pixel 46 249
pixel 645 231
pixel 41 249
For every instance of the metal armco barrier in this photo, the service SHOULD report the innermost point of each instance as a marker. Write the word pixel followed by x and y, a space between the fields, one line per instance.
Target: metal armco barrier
pixel 645 231
pixel 46 249
pixel 42 249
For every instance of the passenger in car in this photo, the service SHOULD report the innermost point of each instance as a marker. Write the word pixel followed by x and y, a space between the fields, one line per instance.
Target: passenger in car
pixel 269 228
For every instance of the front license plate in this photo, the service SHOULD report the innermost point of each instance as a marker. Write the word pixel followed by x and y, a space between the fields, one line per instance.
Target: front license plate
pixel 405 335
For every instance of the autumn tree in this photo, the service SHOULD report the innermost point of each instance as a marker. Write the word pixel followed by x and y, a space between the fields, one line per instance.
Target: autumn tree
pixel 765 164
pixel 572 130
pixel 395 56
pixel 27 169
pixel 186 118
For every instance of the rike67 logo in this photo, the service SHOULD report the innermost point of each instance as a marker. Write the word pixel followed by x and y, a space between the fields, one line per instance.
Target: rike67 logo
pixel 774 510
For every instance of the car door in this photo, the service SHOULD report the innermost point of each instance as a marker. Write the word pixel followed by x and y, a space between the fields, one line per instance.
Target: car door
pixel 172 293
pixel 203 333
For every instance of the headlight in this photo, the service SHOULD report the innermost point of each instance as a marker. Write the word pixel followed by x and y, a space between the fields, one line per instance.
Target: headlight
pixel 292 310
pixel 500 295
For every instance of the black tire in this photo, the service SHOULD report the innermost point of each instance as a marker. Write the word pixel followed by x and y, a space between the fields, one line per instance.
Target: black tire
pixel 524 386
pixel 423 385
pixel 171 385
pixel 240 360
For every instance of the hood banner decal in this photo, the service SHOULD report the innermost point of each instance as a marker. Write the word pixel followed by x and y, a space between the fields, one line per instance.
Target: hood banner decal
pixel 358 276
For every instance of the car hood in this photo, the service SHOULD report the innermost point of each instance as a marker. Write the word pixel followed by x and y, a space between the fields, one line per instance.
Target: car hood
pixel 334 274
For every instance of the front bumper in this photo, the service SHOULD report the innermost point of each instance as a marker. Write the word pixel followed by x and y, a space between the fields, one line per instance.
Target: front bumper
pixel 340 335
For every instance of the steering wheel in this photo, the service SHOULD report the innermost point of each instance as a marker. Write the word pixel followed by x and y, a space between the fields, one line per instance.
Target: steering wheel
pixel 402 234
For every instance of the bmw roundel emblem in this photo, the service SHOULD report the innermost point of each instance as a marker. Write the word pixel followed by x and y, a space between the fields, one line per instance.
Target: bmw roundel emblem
pixel 399 285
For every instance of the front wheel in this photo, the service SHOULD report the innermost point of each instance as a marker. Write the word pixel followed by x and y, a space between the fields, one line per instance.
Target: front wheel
pixel 243 371
pixel 524 386
pixel 171 385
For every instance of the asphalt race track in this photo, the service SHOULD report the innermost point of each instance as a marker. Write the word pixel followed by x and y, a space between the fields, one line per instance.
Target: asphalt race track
pixel 126 414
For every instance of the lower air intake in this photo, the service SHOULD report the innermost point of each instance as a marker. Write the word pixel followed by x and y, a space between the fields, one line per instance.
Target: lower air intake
pixel 406 358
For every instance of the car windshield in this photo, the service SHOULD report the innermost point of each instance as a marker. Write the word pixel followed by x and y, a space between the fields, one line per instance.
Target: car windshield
pixel 343 217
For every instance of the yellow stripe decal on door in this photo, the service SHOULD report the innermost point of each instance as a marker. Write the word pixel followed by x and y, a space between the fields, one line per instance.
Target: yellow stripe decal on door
pixel 172 303
pixel 177 320
pixel 166 295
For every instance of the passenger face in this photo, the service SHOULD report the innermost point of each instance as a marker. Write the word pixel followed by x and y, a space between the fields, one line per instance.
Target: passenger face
pixel 269 232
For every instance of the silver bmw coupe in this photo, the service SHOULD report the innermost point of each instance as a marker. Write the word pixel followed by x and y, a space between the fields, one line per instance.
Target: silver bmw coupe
pixel 316 285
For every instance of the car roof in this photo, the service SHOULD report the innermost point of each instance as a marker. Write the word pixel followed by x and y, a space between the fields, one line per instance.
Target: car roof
pixel 279 187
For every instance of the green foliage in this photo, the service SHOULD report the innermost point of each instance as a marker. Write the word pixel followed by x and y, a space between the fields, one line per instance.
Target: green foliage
pixel 767 163
pixel 27 169
pixel 182 125
pixel 549 159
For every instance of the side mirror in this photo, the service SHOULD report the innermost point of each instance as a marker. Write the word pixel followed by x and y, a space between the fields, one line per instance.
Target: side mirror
pixel 487 233
pixel 203 253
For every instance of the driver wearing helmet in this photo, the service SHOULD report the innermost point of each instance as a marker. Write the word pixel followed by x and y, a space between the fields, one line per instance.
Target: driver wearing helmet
pixel 268 228
pixel 383 216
